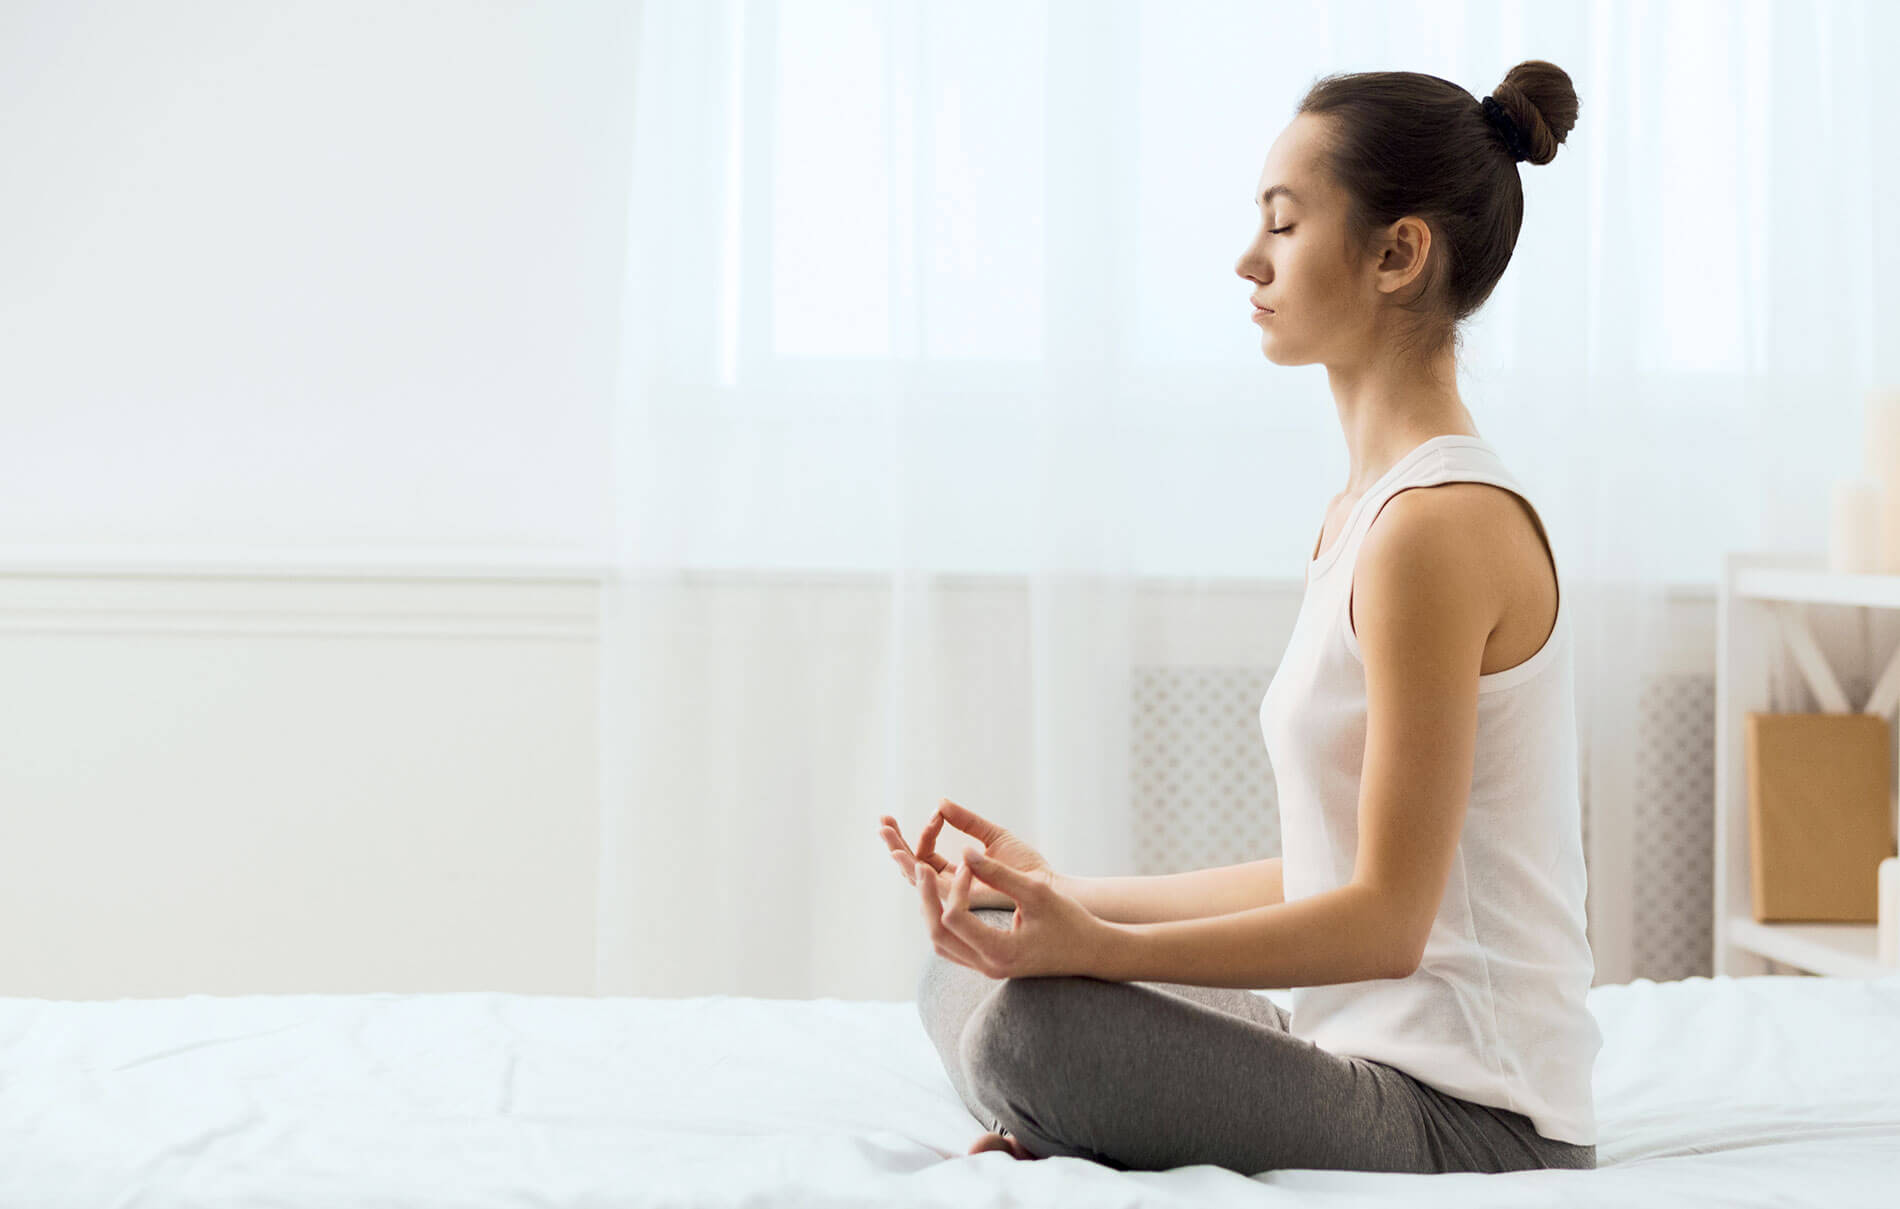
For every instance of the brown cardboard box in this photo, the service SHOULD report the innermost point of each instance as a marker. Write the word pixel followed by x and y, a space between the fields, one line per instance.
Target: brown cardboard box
pixel 1818 814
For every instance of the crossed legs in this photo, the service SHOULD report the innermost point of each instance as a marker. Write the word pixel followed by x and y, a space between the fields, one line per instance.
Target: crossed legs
pixel 1151 1076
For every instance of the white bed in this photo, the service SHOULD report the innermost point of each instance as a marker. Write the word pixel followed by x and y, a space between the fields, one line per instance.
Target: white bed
pixel 1775 1090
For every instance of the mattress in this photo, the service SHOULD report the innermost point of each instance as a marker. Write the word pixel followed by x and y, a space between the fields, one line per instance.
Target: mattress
pixel 1775 1090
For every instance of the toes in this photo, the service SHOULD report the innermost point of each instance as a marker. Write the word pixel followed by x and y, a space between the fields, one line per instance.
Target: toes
pixel 993 1141
pixel 1003 1142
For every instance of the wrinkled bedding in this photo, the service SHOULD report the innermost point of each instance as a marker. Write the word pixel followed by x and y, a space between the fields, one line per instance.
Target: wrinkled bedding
pixel 1776 1090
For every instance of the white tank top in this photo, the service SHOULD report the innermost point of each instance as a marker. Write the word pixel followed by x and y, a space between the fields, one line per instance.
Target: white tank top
pixel 1496 1011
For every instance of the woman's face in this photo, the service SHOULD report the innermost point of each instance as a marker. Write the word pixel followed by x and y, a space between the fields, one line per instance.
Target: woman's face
pixel 1322 298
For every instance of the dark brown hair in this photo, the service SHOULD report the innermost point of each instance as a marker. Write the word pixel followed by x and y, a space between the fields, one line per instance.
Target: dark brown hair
pixel 1402 142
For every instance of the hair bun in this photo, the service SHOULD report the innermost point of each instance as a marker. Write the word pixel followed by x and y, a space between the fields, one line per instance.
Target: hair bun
pixel 1538 98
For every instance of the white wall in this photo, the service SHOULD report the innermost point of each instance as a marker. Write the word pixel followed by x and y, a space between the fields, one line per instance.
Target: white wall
pixel 287 285
pixel 229 785
pixel 310 273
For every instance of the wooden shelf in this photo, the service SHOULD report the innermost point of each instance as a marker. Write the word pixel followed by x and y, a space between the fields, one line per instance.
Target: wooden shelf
pixel 1837 950
pixel 1762 617
pixel 1818 586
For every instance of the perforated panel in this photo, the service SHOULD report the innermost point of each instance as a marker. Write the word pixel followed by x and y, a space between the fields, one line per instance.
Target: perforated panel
pixel 1674 833
pixel 1204 792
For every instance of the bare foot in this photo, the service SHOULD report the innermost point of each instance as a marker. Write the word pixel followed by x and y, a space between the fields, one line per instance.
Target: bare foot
pixel 1002 1142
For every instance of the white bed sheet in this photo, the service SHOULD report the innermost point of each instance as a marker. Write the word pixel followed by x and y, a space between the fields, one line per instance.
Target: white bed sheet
pixel 1757 1091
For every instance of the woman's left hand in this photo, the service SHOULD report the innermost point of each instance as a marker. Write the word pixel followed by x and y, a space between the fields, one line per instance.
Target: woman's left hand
pixel 1052 934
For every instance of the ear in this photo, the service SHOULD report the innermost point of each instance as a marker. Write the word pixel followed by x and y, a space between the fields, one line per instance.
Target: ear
pixel 1402 254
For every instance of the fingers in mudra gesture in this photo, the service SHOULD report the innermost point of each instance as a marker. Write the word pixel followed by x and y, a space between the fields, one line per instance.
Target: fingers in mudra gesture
pixel 1051 933
pixel 998 843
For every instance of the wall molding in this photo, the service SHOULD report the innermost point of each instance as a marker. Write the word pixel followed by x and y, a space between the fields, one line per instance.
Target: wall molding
pixel 530 564
pixel 439 592
pixel 302 604
pixel 502 563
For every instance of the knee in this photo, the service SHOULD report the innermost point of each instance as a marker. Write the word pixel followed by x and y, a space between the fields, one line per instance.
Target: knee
pixel 1018 1029
pixel 1034 1064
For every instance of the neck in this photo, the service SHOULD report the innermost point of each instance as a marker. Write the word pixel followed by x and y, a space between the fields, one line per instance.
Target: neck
pixel 1388 406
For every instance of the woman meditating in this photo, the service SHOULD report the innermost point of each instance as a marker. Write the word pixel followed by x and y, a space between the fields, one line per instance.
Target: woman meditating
pixel 1427 908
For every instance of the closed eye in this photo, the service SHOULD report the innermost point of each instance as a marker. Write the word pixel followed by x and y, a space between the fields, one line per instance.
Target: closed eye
pixel 1279 230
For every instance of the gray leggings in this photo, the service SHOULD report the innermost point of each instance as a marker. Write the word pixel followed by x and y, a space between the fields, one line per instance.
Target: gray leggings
pixel 1150 1076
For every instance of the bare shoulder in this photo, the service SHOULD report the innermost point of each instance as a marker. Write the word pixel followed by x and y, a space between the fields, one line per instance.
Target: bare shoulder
pixel 1448 516
pixel 1447 541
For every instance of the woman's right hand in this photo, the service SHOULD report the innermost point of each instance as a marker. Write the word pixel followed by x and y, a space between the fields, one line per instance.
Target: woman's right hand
pixel 998 843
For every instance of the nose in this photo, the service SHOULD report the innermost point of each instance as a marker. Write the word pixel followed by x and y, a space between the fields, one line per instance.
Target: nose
pixel 1253 266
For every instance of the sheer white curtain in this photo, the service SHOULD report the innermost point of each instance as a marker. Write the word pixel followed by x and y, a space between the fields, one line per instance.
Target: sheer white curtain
pixel 938 377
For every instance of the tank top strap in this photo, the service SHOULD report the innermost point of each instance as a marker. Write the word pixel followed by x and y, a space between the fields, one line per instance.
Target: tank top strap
pixel 1448 458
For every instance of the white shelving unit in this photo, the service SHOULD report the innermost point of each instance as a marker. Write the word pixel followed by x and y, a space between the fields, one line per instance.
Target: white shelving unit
pixel 1760 613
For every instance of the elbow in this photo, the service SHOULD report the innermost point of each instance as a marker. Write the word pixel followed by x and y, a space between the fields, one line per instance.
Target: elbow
pixel 1397 942
pixel 1411 953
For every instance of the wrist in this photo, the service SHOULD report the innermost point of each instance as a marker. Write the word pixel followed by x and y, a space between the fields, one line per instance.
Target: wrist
pixel 1116 956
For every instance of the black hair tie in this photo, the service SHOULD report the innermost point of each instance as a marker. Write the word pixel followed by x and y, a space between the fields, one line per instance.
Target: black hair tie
pixel 1513 137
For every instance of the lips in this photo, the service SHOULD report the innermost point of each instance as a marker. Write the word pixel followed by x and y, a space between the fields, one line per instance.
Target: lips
pixel 1267 309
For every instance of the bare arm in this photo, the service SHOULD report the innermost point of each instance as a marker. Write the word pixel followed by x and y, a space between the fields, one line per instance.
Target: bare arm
pixel 1161 898
pixel 1344 935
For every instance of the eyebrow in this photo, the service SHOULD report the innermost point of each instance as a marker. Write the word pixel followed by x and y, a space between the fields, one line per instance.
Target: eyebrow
pixel 1280 189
